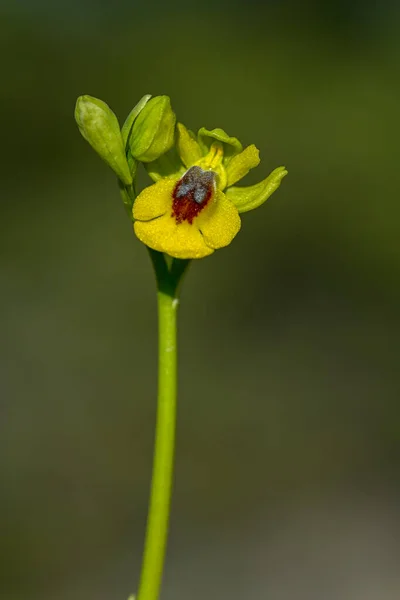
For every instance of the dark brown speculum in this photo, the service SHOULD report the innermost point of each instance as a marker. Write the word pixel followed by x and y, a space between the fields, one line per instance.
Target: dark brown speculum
pixel 192 193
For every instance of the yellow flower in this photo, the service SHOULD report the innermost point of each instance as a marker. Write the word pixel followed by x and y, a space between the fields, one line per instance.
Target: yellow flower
pixel 192 209
pixel 186 218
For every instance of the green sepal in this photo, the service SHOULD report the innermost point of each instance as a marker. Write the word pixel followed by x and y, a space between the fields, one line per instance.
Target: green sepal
pixel 127 126
pixel 126 130
pixel 231 145
pixel 153 130
pixel 250 197
pixel 187 146
pixel 168 165
pixel 99 126
pixel 241 164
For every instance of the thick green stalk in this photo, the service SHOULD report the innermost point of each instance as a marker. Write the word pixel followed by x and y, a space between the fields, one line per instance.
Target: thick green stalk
pixel 160 497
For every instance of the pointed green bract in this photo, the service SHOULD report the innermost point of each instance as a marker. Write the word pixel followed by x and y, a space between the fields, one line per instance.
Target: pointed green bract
pixel 241 164
pixel 127 126
pixel 153 130
pixel 187 146
pixel 231 145
pixel 99 126
pixel 128 196
pixel 133 164
pixel 251 197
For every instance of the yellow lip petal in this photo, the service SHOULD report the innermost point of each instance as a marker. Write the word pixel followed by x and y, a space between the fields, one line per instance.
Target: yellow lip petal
pixel 219 222
pixel 154 201
pixel 166 235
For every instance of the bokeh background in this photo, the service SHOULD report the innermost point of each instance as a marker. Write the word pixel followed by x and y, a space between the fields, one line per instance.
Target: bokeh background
pixel 288 450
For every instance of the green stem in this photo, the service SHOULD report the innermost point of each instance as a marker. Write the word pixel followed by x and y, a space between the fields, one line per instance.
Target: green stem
pixel 163 462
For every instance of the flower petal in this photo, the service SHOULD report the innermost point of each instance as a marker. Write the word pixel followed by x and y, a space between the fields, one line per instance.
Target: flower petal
pixel 241 164
pixel 154 201
pixel 219 222
pixel 187 146
pixel 178 240
pixel 252 196
pixel 231 145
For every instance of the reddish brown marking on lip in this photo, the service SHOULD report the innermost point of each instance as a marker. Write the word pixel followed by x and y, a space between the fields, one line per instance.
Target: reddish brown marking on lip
pixel 186 208
pixel 195 182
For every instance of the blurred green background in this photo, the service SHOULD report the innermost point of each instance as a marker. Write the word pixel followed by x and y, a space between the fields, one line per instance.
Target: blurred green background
pixel 287 468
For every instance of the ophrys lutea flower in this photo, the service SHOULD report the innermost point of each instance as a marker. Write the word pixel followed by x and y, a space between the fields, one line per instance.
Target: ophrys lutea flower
pixel 193 208
pixel 194 205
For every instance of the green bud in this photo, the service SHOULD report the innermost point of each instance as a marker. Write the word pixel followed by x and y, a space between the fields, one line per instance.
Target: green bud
pixel 99 126
pixel 252 196
pixel 153 130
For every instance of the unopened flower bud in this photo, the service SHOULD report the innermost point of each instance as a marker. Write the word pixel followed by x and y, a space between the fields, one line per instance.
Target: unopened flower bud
pixel 99 126
pixel 153 131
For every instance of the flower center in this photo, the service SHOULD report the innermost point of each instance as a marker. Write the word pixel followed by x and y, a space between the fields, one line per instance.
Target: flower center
pixel 192 193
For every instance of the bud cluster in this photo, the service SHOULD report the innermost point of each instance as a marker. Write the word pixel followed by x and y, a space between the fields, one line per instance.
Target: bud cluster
pixel 147 133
